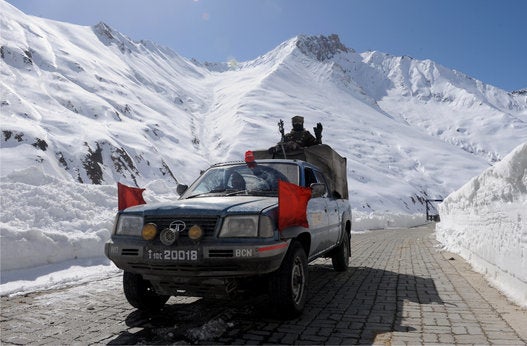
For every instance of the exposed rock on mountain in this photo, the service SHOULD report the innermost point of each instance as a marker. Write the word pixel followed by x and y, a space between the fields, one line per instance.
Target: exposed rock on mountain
pixel 321 47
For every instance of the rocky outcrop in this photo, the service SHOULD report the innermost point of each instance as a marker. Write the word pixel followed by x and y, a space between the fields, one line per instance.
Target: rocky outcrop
pixel 321 47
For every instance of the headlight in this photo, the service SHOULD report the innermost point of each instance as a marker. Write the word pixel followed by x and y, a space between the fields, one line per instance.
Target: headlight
pixel 129 225
pixel 240 226
pixel 247 226
pixel 266 227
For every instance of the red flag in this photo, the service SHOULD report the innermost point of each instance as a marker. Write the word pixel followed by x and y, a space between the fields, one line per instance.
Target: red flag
pixel 129 196
pixel 292 205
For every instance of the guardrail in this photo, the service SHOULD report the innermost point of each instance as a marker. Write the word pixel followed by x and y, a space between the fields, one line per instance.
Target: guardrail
pixel 430 209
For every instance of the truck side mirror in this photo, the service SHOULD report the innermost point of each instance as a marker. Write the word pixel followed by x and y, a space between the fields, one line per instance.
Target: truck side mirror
pixel 318 190
pixel 181 188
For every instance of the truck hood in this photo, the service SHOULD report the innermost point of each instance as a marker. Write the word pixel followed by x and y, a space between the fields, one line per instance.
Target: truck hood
pixel 208 205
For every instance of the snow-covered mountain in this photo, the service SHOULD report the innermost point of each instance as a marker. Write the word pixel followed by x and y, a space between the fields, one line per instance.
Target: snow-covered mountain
pixel 90 105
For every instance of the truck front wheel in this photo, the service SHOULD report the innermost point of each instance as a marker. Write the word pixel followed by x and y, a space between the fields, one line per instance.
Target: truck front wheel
pixel 140 293
pixel 288 285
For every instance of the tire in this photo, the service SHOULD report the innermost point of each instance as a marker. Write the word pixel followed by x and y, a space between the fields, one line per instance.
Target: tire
pixel 341 256
pixel 140 293
pixel 288 285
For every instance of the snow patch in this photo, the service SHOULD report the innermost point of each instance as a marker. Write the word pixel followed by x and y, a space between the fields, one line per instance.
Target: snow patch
pixel 485 222
pixel 370 221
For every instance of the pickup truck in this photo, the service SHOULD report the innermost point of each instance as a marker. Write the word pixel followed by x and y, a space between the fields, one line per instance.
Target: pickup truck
pixel 222 235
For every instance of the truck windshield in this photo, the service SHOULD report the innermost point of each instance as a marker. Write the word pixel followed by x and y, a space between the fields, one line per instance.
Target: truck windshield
pixel 262 179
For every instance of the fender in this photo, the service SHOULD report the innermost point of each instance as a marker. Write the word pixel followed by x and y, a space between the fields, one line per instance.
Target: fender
pixel 300 233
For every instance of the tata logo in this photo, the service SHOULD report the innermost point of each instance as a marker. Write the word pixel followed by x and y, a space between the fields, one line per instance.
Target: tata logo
pixel 177 226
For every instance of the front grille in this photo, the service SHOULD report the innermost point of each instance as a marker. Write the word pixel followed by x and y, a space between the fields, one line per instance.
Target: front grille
pixel 208 224
pixel 130 252
pixel 213 253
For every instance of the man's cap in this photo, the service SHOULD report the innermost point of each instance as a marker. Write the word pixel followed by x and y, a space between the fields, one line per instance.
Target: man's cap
pixel 298 119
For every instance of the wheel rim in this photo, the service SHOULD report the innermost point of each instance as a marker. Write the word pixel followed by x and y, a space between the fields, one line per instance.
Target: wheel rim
pixel 297 280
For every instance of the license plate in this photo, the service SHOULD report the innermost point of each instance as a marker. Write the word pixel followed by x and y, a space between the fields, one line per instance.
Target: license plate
pixel 173 255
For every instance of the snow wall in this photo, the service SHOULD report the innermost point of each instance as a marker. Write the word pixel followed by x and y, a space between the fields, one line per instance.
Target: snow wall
pixel 485 222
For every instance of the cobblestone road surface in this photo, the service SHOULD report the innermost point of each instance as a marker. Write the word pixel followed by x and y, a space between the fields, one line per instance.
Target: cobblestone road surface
pixel 400 290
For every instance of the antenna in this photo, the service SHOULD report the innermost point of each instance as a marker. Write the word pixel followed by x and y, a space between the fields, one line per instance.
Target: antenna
pixel 281 129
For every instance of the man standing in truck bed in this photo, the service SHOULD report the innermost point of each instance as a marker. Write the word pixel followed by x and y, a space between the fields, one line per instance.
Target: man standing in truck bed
pixel 299 137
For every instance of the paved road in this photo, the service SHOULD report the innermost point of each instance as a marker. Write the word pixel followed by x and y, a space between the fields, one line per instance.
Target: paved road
pixel 401 289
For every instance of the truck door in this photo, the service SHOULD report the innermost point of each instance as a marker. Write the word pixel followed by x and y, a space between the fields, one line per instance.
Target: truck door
pixel 316 214
pixel 332 210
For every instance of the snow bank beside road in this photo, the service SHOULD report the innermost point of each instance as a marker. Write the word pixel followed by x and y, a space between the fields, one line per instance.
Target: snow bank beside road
pixel 485 222
pixel 45 220
pixel 369 221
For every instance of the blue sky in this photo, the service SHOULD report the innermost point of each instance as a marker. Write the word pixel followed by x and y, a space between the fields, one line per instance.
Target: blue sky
pixel 482 38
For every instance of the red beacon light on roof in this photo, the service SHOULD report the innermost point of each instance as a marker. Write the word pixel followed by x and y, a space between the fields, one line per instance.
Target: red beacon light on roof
pixel 249 159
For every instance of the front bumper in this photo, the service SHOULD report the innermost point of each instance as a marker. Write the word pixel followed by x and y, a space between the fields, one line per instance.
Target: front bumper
pixel 204 261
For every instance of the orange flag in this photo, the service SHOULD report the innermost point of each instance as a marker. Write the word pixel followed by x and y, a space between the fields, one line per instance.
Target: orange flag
pixel 129 196
pixel 292 205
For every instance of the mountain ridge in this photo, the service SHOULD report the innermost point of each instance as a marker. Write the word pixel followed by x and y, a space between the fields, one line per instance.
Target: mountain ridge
pixel 91 105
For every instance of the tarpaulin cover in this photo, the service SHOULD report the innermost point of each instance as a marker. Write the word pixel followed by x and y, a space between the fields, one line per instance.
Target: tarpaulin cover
pixel 324 157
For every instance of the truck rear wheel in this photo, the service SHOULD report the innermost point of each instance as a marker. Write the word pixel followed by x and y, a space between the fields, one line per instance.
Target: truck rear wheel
pixel 288 285
pixel 140 293
pixel 341 255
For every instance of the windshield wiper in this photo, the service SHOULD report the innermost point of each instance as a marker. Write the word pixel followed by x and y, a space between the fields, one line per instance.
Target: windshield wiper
pixel 198 195
pixel 253 193
pixel 264 193
pixel 236 193
pixel 215 193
